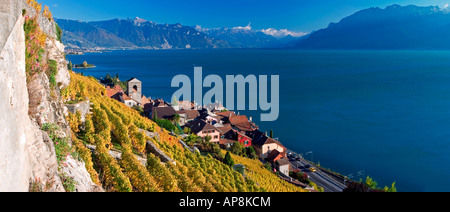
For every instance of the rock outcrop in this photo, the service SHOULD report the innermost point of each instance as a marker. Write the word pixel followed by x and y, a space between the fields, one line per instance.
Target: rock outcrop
pixel 27 154
pixel 15 124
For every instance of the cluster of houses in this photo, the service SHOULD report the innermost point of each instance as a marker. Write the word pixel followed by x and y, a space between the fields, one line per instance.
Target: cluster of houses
pixel 223 127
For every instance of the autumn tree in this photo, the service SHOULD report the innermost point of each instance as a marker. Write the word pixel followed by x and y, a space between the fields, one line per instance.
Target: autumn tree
pixel 228 160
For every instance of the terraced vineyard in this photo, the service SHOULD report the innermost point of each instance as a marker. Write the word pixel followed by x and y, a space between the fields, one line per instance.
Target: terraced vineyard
pixel 113 125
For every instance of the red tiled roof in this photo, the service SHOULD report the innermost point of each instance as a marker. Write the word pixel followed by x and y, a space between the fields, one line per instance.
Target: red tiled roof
pixel 259 139
pixel 145 100
pixel 118 88
pixel 225 141
pixel 201 125
pixel 227 114
pixel 163 112
pixel 274 156
pixel 241 122
pixel 226 128
pixel 110 92
pixel 190 114
pixel 126 97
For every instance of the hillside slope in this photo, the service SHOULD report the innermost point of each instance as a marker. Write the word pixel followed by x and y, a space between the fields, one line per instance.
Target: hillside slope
pixel 61 133
pixel 113 125
pixel 84 35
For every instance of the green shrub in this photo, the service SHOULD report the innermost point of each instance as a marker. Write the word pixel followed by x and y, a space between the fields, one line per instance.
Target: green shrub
pixel 62 146
pixel 228 160
pixel 166 124
pixel 51 72
pixel 68 183
pixel 58 33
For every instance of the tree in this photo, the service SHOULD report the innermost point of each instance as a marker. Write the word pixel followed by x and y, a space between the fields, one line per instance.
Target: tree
pixel 59 33
pixel 371 183
pixel 237 148
pixel 70 66
pixel 168 125
pixel 271 133
pixel 155 116
pixel 207 138
pixel 300 176
pixel 176 118
pixel 251 153
pixel 192 138
pixel 187 130
pixel 174 101
pixel 228 160
pixel 108 78
pixel 85 64
pixel 391 189
pixel 268 166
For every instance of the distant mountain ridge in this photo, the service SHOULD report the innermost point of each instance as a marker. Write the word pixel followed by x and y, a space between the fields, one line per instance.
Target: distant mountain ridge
pixel 78 34
pixel 135 33
pixel 395 27
pixel 242 37
pixel 139 33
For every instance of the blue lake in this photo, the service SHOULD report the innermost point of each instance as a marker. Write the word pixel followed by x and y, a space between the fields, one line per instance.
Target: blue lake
pixel 384 112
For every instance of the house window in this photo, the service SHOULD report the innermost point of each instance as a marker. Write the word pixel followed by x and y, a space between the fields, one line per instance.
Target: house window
pixel 216 137
pixel 205 132
pixel 246 142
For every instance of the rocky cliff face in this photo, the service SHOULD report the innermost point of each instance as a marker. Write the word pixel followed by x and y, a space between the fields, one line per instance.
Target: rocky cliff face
pixel 27 153
pixel 14 121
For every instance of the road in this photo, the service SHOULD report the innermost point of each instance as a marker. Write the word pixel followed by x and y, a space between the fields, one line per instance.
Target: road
pixel 328 183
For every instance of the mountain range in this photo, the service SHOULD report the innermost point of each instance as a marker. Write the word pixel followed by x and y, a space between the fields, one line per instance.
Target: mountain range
pixel 139 33
pixel 395 27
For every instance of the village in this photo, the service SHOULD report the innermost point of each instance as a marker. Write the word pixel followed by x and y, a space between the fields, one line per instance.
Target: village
pixel 213 123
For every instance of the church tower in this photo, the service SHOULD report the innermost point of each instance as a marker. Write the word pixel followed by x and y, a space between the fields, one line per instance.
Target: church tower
pixel 135 89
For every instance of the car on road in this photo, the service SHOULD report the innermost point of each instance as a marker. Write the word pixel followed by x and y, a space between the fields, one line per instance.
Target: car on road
pixel 312 169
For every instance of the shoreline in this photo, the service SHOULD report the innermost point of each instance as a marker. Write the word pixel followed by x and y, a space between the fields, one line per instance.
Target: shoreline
pixel 330 173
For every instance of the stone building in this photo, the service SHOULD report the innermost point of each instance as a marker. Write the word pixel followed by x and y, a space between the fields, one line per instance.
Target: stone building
pixel 135 89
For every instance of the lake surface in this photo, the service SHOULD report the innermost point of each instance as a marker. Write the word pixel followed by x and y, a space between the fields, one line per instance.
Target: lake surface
pixel 386 113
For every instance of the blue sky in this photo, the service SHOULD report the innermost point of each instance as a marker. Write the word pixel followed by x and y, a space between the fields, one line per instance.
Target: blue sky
pixel 293 15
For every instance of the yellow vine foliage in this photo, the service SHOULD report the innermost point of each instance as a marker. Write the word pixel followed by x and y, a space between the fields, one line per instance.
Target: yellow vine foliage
pixel 270 182
pixel 35 44
pixel 35 5
pixel 47 13
pixel 85 154
pixel 74 121
pixel 114 123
